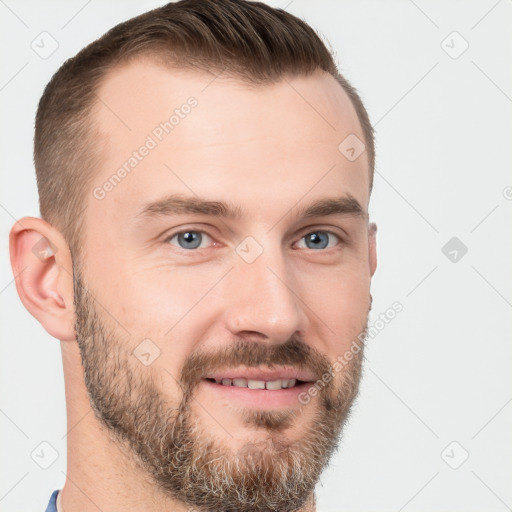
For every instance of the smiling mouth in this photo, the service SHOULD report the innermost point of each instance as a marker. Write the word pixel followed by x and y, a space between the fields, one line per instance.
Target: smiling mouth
pixel 273 385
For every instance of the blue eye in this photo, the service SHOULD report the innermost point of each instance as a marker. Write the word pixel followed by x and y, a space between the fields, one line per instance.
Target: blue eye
pixel 318 240
pixel 188 239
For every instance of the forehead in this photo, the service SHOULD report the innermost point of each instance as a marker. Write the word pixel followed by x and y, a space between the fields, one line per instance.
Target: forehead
pixel 170 130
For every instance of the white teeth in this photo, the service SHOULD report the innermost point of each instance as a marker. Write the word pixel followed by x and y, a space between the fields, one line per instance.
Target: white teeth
pixel 256 384
pixel 292 383
pixel 275 384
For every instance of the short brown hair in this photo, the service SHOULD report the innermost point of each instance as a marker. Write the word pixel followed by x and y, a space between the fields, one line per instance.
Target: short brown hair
pixel 247 40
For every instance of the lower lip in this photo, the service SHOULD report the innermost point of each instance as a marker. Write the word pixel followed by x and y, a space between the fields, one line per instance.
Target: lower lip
pixel 259 398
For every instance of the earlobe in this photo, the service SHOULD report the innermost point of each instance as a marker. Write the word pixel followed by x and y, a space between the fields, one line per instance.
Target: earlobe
pixel 372 247
pixel 41 262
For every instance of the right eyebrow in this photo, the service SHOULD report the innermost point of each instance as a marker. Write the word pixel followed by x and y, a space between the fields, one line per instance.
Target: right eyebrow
pixel 176 204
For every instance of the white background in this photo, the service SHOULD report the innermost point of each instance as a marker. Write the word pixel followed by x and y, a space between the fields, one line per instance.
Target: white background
pixel 441 370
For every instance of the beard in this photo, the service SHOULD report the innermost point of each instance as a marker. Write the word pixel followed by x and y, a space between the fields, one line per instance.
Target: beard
pixel 180 456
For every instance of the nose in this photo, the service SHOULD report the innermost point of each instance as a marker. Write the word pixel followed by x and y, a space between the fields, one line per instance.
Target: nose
pixel 263 300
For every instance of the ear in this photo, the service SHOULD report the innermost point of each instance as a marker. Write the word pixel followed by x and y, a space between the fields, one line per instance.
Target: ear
pixel 41 262
pixel 372 247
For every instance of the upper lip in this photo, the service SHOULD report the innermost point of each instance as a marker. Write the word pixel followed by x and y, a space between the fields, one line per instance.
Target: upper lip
pixel 261 374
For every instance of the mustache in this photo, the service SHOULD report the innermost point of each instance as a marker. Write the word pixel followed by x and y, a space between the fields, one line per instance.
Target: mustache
pixel 294 352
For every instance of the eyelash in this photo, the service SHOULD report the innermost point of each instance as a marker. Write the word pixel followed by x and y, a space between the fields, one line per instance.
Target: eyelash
pixel 170 237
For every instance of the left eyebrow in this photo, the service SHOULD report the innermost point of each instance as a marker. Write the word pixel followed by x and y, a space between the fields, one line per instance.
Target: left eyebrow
pixel 345 205
pixel 177 204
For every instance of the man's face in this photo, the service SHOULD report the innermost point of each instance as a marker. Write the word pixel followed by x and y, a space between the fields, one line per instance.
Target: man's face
pixel 188 314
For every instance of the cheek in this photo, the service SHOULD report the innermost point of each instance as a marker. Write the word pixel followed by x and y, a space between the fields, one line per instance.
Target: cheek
pixel 150 300
pixel 169 306
pixel 338 302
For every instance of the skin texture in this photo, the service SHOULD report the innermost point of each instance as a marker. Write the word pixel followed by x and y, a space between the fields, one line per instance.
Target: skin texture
pixel 269 150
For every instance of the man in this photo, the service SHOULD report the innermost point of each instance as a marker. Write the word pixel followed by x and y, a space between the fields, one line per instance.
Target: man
pixel 204 256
